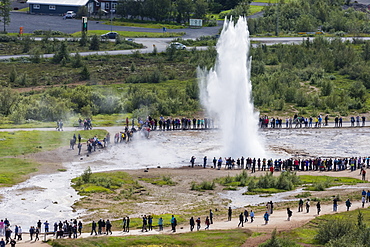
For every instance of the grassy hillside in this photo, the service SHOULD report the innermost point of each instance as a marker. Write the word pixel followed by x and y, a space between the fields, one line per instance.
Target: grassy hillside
pixel 316 77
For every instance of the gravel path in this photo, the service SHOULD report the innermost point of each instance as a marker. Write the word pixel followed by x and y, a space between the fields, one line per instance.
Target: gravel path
pixel 278 221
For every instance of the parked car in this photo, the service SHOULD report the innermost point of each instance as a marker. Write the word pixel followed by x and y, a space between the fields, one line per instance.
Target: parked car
pixel 110 35
pixel 70 14
pixel 178 46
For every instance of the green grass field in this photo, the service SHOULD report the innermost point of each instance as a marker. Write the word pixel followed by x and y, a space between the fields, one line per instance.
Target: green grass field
pixel 318 183
pixel 255 9
pixel 227 238
pixel 307 233
pixel 14 170
pixel 25 142
pixel 24 9
pixel 104 182
pixel 100 120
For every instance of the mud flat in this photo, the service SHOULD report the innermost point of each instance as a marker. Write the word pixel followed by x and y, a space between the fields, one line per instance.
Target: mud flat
pixel 49 196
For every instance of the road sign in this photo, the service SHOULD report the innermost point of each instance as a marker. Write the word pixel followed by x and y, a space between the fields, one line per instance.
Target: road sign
pixel 84 24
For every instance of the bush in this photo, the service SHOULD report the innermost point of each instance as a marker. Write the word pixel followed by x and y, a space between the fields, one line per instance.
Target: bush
pixel 49 32
pixel 334 229
pixel 26 42
pixel 62 53
pixel 285 181
pixel 95 43
pixel 77 61
pixel 168 180
pixel 321 186
pixel 36 55
pixel 85 73
pixel 83 41
pixel 7 38
pixel 274 241
pixel 86 175
pixel 13 75
pixel 205 185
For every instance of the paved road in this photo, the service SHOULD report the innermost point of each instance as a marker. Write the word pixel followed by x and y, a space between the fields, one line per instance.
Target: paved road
pixel 162 43
pixel 31 23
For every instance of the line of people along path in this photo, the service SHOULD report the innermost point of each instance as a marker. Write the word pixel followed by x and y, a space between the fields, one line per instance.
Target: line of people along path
pixel 170 124
pixel 291 164
pixel 240 217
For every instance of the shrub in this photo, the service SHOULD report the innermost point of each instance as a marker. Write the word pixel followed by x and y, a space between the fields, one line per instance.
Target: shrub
pixel 95 43
pixel 85 73
pixel 77 61
pixel 321 186
pixel 303 195
pixel 168 180
pixel 83 41
pixel 26 42
pixel 285 181
pixel 62 53
pixel 205 185
pixel 36 55
pixel 334 229
pixel 86 175
pixel 133 67
pixel 7 38
pixel 274 241
pixel 13 75
pixel 49 32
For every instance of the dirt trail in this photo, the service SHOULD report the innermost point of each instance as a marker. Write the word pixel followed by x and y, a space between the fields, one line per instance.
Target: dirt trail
pixel 278 221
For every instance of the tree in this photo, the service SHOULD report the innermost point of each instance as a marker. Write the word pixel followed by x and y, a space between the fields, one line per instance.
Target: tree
pixel 184 8
pixel 366 51
pixel 82 11
pixel 8 99
pixel 77 61
pixel 27 43
pixel 5 9
pixel 85 73
pixel 157 9
pixel 358 91
pixel 13 75
pixel 35 55
pixel 192 90
pixel 95 43
pixel 83 41
pixel 129 8
pixel 62 53
pixel 86 175
pixel 229 4
pixel 201 9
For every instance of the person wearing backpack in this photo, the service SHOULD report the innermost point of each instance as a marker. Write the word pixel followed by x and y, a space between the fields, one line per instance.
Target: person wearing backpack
pixel 290 213
pixel 348 204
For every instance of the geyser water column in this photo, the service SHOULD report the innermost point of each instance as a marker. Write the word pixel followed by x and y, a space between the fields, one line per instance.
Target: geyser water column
pixel 225 91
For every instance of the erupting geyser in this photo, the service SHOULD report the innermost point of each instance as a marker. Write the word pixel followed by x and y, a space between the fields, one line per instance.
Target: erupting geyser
pixel 226 91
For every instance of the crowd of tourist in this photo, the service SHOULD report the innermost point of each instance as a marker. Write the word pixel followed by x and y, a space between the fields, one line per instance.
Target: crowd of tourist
pixel 86 124
pixel 91 144
pixel 308 122
pixel 73 228
pixel 170 123
pixel 291 164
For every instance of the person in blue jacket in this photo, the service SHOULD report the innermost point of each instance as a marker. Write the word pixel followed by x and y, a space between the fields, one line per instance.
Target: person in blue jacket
pixel 266 217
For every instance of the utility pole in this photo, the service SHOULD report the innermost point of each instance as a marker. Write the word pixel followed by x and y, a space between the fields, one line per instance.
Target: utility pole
pixel 277 18
pixel 111 12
